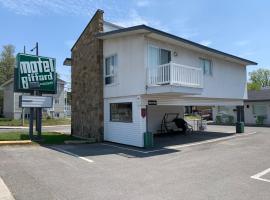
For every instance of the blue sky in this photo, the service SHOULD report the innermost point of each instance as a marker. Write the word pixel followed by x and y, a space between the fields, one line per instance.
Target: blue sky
pixel 238 27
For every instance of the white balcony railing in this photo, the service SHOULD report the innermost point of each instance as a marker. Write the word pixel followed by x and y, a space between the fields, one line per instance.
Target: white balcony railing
pixel 175 74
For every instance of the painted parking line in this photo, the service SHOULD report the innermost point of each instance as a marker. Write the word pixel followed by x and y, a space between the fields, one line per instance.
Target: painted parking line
pixel 259 176
pixel 5 194
pixel 176 147
pixel 72 154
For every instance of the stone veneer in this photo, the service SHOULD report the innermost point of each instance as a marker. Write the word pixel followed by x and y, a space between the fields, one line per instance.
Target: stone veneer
pixel 87 81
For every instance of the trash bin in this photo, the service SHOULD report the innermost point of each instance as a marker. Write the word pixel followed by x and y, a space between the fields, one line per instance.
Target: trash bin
pixel 240 127
pixel 148 140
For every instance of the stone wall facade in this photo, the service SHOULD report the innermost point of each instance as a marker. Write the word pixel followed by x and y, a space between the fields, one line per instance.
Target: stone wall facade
pixel 87 81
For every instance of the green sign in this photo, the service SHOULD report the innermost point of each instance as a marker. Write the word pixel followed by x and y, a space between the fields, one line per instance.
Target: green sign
pixel 35 73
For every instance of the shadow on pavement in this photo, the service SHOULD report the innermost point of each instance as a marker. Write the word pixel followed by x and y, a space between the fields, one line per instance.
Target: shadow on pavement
pixel 161 142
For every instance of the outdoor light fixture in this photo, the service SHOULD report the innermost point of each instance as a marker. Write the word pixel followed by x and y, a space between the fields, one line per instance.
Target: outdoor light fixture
pixel 175 53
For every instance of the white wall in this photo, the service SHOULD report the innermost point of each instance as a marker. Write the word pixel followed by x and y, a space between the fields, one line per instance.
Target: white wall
pixel 228 79
pixel 155 115
pixel 228 110
pixel 8 106
pixel 131 72
pixel 122 132
pixel 250 118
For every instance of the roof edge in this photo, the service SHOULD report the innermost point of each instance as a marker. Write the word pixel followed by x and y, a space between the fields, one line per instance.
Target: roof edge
pixel 98 10
pixel 148 28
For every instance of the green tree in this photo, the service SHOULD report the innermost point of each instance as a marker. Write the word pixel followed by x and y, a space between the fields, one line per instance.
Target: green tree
pixel 260 77
pixel 7 63
pixel 253 86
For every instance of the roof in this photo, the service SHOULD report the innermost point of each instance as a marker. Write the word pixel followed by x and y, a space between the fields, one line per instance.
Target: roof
pixel 259 95
pixel 11 81
pixel 146 29
pixel 67 62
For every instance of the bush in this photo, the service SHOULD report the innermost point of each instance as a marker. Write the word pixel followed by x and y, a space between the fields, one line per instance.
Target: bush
pixel 48 117
pixel 230 119
pixel 260 120
pixel 5 119
pixel 218 119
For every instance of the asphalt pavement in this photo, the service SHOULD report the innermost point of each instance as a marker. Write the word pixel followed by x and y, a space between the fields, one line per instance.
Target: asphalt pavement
pixel 234 168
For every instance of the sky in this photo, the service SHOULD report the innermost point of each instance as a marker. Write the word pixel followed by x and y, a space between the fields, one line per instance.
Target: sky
pixel 239 27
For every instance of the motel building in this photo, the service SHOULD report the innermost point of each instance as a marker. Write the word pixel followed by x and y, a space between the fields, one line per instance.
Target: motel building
pixel 125 79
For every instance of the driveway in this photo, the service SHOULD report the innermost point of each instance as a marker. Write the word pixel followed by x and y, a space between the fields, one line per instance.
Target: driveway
pixel 235 168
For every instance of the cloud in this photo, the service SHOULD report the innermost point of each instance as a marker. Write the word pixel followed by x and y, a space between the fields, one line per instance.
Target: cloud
pixel 242 42
pixel 206 42
pixel 41 7
pixel 142 3
pixel 182 28
pixel 133 18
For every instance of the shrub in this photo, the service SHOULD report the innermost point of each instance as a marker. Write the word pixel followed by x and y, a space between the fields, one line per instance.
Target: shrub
pixel 260 120
pixel 218 119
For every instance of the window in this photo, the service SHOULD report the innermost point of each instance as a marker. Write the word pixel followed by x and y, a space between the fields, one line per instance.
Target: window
pixel 121 112
pixel 207 66
pixel 110 69
pixel 158 56
pixel 56 101
pixel 259 110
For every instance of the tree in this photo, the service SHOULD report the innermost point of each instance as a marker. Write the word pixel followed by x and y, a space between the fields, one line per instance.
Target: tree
pixel 7 63
pixel 253 86
pixel 260 77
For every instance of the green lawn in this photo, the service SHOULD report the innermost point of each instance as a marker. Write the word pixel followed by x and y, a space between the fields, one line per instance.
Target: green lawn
pixel 192 117
pixel 45 122
pixel 48 137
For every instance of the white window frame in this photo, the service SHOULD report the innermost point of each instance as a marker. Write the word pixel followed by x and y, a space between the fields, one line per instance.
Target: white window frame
pixel 202 60
pixel 159 49
pixel 113 71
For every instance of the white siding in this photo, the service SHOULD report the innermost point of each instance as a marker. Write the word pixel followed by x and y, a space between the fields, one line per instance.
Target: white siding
pixel 131 71
pixel 250 118
pixel 8 106
pixel 125 133
pixel 179 100
pixel 155 115
pixel 228 79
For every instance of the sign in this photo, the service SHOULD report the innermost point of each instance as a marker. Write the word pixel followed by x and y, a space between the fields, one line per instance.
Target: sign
pixel 27 101
pixel 152 102
pixel 35 73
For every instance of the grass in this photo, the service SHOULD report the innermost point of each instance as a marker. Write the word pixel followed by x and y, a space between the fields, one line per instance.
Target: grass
pixel 45 122
pixel 192 117
pixel 48 137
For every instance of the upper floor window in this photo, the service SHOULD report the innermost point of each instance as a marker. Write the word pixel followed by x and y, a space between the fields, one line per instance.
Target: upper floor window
pixel 207 66
pixel 158 56
pixel 110 69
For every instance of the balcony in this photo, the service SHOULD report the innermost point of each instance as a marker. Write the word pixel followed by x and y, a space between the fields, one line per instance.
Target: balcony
pixel 180 78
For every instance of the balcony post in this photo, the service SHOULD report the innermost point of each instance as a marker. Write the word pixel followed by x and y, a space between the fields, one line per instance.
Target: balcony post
pixel 171 72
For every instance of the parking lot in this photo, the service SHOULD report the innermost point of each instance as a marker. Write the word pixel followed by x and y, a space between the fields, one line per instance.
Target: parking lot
pixel 219 167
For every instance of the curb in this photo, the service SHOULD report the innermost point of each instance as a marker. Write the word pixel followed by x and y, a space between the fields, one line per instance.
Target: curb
pixel 26 127
pixel 15 142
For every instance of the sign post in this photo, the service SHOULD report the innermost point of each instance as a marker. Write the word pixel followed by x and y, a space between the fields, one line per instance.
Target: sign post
pixel 35 75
